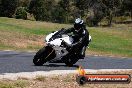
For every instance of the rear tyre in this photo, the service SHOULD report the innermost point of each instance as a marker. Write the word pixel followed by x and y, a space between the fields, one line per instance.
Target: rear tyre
pixel 70 61
pixel 43 55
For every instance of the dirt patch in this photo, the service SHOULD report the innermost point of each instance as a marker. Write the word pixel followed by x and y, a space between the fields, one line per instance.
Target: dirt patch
pixel 69 81
pixel 20 40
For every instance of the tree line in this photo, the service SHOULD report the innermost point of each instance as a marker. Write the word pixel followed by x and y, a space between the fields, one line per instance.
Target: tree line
pixel 65 11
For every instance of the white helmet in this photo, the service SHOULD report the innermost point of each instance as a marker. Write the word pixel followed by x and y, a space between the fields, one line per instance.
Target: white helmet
pixel 78 24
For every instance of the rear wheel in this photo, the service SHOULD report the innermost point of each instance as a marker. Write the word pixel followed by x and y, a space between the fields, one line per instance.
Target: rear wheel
pixel 43 55
pixel 70 60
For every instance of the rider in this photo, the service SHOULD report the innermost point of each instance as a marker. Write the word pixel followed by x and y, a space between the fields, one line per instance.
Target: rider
pixel 80 36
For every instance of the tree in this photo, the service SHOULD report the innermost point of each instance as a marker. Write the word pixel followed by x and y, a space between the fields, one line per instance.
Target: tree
pixel 65 11
pixel 111 6
pixel 127 6
pixel 21 13
pixel 24 3
pixel 8 7
pixel 0 7
pixel 41 9
pixel 91 10
pixel 65 5
pixel 58 14
pixel 81 5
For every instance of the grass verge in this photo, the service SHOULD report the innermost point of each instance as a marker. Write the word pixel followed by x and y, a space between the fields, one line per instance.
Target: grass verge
pixel 29 35
pixel 61 81
pixel 13 84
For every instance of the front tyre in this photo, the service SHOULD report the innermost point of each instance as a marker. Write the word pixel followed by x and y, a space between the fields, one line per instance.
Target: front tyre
pixel 38 58
pixel 43 55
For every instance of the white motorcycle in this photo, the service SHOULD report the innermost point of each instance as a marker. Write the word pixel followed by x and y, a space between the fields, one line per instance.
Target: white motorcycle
pixel 55 50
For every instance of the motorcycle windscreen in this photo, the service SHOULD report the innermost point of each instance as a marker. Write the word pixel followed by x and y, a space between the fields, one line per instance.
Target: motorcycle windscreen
pixel 57 42
pixel 49 36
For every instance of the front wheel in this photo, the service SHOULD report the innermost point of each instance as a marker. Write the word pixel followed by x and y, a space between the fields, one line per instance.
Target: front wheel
pixel 43 55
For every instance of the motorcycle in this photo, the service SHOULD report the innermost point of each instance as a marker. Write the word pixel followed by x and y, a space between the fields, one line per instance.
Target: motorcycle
pixel 55 49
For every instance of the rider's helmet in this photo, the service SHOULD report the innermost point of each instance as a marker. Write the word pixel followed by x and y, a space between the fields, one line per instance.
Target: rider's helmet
pixel 79 24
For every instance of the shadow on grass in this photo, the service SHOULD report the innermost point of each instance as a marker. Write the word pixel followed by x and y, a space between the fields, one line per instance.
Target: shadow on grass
pixel 125 22
pixel 106 25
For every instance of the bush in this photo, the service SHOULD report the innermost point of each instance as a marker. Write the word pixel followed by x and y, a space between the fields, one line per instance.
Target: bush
pixel 21 13
pixel 41 9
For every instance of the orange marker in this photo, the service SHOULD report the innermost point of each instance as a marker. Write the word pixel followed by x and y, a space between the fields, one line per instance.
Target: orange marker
pixel 81 71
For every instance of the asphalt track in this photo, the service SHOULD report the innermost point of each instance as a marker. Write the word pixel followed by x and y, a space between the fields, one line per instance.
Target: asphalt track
pixel 15 62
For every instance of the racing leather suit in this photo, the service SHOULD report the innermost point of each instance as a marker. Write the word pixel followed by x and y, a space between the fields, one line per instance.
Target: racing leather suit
pixel 81 39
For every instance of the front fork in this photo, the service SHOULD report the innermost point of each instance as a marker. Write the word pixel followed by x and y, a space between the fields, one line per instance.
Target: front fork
pixel 83 51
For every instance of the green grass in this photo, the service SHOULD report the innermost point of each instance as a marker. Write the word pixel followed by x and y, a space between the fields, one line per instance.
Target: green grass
pixel 112 42
pixel 14 84
pixel 22 29
pixel 115 40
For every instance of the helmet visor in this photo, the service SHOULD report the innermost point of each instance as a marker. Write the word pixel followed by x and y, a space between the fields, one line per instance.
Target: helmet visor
pixel 77 26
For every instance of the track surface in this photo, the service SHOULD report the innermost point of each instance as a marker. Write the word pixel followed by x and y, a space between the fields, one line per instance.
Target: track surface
pixel 15 62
